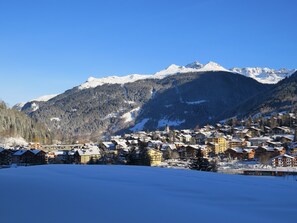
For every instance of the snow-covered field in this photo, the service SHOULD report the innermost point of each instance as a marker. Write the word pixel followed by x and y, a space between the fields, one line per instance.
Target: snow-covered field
pixel 74 193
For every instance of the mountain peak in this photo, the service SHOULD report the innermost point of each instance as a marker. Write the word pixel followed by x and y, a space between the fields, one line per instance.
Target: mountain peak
pixel 212 66
pixel 264 75
pixel 173 67
pixel 195 65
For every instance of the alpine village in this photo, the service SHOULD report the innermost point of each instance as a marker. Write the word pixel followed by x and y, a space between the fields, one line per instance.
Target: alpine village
pixel 259 146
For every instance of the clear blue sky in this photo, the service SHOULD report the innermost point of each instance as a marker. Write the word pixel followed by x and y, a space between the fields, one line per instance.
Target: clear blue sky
pixel 49 46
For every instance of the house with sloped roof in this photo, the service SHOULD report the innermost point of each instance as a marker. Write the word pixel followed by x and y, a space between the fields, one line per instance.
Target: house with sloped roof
pixel 284 160
pixel 29 157
pixel 87 155
pixel 5 157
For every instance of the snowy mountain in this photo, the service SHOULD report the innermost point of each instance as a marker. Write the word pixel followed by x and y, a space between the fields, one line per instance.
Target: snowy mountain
pixel 280 97
pixel 171 70
pixel 264 75
pixel 45 97
pixel 33 104
pixel 180 100
pixel 178 96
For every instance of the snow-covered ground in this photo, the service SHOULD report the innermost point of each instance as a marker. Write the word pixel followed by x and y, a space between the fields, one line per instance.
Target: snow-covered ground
pixel 76 193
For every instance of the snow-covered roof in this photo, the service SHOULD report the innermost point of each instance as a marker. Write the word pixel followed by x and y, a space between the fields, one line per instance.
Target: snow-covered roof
pixel 89 152
pixel 237 150
pixel 282 156
pixel 267 148
pixel 20 152
pixel 108 145
pixel 35 151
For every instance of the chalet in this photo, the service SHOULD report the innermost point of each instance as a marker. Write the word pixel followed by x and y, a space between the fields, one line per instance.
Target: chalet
pixel 189 151
pixel 248 154
pixel 61 156
pixel 262 151
pixel 119 143
pixel 29 157
pixel 274 144
pixel 269 151
pixel 284 160
pixel 5 156
pixel 235 153
pixel 281 130
pixel 39 156
pixel 283 138
pixel 240 133
pixel 186 138
pixel 169 151
pixel 107 146
pixel 154 157
pixel 201 136
pixel 157 144
pixel 87 156
pixel 258 141
pixel 255 132
pixel 235 143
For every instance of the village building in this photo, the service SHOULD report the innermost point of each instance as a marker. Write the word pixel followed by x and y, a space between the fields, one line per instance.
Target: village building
pixel 284 160
pixel 29 157
pixel 236 143
pixel 154 157
pixel 217 144
pixel 234 153
pixel 259 141
pixel 87 156
pixel 189 151
pixel 5 157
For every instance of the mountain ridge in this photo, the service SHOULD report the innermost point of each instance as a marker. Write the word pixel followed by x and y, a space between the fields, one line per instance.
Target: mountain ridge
pixel 262 75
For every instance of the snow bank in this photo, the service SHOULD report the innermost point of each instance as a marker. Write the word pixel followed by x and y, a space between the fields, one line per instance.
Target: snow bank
pixel 76 193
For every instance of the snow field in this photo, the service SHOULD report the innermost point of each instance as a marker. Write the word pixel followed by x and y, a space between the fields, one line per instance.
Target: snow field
pixel 76 193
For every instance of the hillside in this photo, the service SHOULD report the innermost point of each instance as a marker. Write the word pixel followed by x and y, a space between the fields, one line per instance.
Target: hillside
pixel 280 97
pixel 16 124
pixel 75 193
pixel 198 101
pixel 181 100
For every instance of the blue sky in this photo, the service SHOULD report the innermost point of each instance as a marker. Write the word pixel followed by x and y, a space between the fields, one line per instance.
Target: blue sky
pixel 49 46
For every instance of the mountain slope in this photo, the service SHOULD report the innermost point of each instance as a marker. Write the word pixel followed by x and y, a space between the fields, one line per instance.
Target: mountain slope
pixel 198 101
pixel 278 98
pixel 181 100
pixel 264 75
pixel 16 124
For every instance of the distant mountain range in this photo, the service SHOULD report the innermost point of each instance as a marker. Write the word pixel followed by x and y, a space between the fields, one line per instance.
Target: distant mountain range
pixel 178 96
